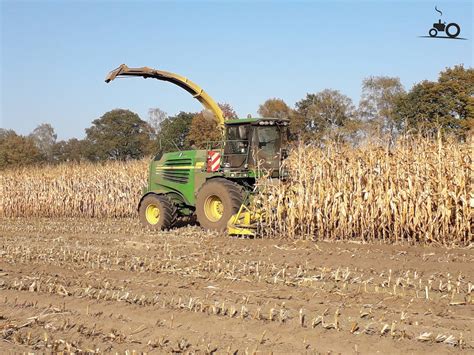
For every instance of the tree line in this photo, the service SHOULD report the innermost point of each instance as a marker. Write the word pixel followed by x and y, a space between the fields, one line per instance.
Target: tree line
pixel 385 111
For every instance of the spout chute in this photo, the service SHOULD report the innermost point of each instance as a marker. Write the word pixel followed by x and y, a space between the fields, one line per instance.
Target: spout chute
pixel 191 87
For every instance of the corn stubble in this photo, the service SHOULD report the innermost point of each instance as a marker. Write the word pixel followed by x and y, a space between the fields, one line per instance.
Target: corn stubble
pixel 418 191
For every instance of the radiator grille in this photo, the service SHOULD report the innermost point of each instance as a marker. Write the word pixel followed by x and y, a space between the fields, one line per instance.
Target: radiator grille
pixel 177 170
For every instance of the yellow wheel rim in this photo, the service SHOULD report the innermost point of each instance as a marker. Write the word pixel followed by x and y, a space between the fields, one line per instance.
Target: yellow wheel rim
pixel 213 208
pixel 152 214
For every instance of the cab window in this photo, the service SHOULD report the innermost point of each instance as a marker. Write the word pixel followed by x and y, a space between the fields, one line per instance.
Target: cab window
pixel 268 139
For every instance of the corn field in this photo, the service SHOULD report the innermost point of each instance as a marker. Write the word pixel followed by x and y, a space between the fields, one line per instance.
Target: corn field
pixel 419 191
pixel 111 189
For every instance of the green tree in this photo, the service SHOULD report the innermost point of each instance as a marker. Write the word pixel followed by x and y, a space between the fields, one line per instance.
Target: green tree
pixel 71 150
pixel 276 108
pixel 377 105
pixel 16 150
pixel 326 114
pixel 173 132
pixel 44 138
pixel 447 104
pixel 118 135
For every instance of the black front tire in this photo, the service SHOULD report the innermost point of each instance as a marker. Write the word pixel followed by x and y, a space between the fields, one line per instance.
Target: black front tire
pixel 433 32
pixel 157 212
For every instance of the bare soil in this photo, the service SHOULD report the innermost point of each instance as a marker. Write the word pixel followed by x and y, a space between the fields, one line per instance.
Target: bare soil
pixel 108 285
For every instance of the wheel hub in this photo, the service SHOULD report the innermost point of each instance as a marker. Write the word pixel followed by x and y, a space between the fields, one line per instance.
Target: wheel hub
pixel 152 214
pixel 213 208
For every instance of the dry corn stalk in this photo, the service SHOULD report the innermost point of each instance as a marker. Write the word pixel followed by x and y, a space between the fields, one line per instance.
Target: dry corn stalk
pixel 418 191
pixel 111 189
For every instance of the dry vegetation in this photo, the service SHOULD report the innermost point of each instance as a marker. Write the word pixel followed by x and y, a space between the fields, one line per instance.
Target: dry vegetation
pixel 73 190
pixel 419 191
pixel 105 285
pixel 93 285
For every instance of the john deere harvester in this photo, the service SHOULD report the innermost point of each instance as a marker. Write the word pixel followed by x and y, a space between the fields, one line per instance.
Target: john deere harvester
pixel 215 183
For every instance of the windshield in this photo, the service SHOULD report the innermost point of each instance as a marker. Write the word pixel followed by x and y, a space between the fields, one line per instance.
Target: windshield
pixel 269 139
pixel 237 139
pixel 237 132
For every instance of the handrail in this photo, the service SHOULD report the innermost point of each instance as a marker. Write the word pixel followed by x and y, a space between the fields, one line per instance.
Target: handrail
pixel 184 83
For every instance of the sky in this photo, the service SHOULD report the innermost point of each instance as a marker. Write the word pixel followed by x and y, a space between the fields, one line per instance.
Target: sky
pixel 56 54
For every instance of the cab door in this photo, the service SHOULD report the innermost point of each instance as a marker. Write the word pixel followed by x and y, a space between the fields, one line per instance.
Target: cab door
pixel 267 144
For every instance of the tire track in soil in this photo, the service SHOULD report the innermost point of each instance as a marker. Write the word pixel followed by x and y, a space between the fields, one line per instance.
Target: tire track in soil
pixel 198 292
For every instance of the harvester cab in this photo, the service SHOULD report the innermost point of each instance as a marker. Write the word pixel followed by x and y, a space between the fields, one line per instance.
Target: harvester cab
pixel 253 146
pixel 215 184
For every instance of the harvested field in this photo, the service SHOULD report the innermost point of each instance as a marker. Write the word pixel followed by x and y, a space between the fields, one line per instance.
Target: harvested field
pixel 98 285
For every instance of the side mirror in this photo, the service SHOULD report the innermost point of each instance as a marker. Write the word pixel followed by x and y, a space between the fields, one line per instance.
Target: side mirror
pixel 158 155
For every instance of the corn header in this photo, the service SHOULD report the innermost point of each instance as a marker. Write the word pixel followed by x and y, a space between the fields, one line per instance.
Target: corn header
pixel 216 184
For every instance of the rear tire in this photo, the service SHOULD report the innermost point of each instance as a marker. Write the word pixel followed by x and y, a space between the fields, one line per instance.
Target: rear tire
pixel 457 30
pixel 157 212
pixel 217 200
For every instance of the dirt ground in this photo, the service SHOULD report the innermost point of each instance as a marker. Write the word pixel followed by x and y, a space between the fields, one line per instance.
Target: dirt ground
pixel 107 285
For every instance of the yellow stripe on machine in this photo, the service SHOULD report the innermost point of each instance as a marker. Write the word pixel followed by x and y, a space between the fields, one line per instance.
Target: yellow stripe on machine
pixel 175 167
pixel 198 165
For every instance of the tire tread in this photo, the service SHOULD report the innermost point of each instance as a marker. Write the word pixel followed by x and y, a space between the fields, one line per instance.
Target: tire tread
pixel 168 211
pixel 235 191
